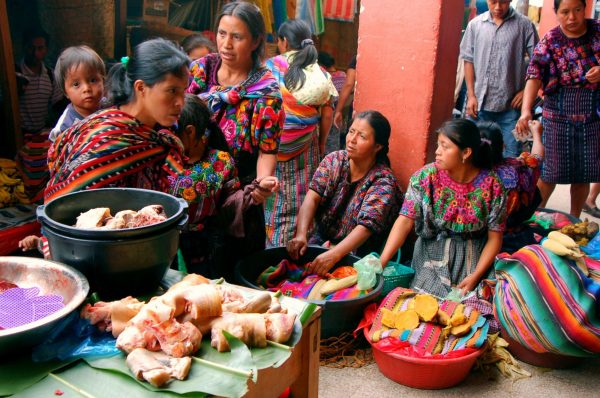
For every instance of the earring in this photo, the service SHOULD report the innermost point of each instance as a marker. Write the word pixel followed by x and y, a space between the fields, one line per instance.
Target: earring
pixel 204 140
pixel 463 160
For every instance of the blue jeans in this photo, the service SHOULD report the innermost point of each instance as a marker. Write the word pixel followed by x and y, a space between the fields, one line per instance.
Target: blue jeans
pixel 507 121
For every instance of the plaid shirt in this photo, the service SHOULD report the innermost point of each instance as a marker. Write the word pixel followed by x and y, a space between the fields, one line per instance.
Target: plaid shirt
pixel 498 56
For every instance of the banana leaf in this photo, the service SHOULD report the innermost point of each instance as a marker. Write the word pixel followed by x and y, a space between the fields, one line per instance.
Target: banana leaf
pixel 16 374
pixel 81 380
pixel 214 373
pixel 225 374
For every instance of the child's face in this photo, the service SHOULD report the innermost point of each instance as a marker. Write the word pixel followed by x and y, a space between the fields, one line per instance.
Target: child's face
pixel 198 52
pixel 84 87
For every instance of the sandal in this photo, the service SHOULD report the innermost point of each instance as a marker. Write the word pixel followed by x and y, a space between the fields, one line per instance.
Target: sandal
pixel 592 211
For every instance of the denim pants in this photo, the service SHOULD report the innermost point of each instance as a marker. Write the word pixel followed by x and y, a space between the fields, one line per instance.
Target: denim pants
pixel 507 121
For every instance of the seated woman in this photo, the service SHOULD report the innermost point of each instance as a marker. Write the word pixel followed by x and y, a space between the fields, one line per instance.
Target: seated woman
pixel 458 208
pixel 352 196
pixel 208 183
pixel 127 145
pixel 519 177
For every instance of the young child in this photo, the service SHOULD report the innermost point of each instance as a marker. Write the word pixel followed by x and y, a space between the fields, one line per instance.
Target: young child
pixel 210 185
pixel 197 46
pixel 80 73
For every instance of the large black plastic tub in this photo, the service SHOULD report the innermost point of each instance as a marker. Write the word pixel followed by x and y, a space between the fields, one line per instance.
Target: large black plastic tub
pixel 117 263
pixel 338 316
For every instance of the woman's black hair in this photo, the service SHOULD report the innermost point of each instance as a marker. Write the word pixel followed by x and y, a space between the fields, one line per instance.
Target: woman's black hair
pixel 196 40
pixel 465 134
pixel 557 4
pixel 325 59
pixel 381 127
pixel 491 135
pixel 150 62
pixel 297 33
pixel 251 16
pixel 196 113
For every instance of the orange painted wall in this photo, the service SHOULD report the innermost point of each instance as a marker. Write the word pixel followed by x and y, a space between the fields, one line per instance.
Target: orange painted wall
pixel 406 68
pixel 548 18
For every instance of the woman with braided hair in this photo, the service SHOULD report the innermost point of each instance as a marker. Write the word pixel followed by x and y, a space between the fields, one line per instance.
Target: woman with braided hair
pixel 308 94
pixel 353 196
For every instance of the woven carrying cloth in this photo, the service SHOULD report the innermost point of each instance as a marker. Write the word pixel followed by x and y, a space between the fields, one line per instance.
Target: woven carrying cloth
pixel 544 302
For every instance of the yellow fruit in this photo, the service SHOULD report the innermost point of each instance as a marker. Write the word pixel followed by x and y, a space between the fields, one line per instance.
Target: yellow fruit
pixel 556 247
pixel 407 320
pixel 563 239
pixel 426 307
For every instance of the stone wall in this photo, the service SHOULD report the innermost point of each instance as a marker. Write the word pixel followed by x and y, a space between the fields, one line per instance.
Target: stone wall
pixel 75 22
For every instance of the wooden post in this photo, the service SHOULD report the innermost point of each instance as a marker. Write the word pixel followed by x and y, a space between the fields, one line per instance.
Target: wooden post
pixel 406 69
pixel 120 29
pixel 8 84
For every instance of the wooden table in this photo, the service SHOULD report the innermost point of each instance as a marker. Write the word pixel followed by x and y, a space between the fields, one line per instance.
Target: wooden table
pixel 300 371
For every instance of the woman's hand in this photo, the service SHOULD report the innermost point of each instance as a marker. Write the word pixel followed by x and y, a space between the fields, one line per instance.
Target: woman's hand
pixel 323 263
pixel 468 284
pixel 266 187
pixel 593 75
pixel 297 247
pixel 522 126
pixel 337 119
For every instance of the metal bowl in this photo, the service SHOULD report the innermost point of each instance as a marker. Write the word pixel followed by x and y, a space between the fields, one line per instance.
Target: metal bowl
pixel 51 278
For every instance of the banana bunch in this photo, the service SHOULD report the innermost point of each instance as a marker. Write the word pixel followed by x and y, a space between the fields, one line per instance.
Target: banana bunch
pixel 12 189
pixel 563 245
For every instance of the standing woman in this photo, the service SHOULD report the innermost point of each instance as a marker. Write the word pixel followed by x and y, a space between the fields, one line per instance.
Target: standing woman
pixel 246 103
pixel 458 208
pixel 566 64
pixel 308 94
pixel 127 145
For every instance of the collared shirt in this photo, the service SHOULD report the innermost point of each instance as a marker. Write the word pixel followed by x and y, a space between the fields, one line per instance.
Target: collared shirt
pixel 498 56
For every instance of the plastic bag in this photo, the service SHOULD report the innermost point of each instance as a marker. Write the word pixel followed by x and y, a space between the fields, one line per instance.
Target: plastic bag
pixel 74 337
pixel 456 295
pixel 592 249
pixel 368 267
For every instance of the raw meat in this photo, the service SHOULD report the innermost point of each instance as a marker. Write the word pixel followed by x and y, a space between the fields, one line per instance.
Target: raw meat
pixel 93 218
pixel 157 368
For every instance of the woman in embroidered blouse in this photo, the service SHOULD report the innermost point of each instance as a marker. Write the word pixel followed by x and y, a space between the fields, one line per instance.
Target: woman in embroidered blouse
pixel 245 100
pixel 352 197
pixel 458 208
pixel 127 145
pixel 566 64
pixel 308 93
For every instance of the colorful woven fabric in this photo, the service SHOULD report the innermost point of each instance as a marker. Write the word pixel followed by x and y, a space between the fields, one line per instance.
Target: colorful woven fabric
pixel 373 201
pixel 560 61
pixel 339 10
pixel 289 278
pixel 519 177
pixel 428 337
pixel 544 302
pixel 276 274
pixel 301 120
pixel 250 114
pixel 112 149
pixel 452 221
pixel 202 185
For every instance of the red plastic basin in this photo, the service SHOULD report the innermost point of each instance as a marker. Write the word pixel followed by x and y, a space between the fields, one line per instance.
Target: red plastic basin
pixel 426 374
